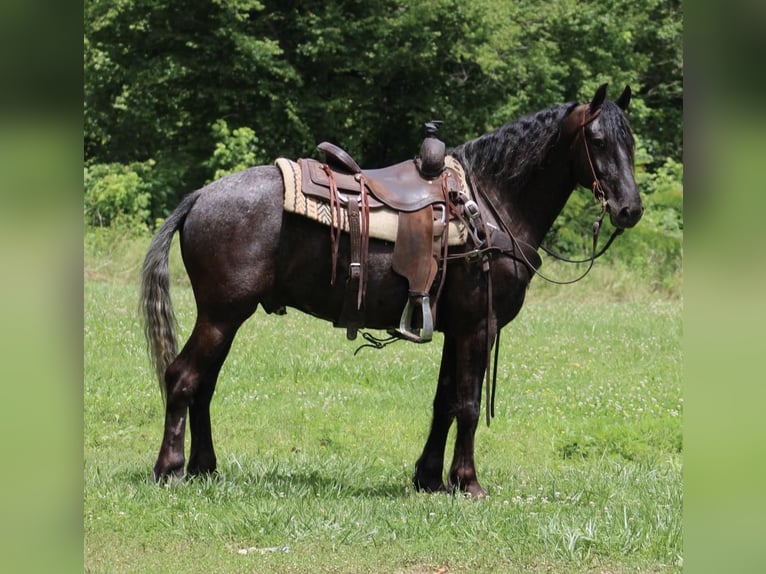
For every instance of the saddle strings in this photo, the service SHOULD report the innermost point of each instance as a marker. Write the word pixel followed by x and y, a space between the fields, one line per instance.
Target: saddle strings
pixel 335 220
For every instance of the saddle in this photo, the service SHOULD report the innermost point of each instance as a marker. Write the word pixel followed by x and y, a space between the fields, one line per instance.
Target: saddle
pixel 420 191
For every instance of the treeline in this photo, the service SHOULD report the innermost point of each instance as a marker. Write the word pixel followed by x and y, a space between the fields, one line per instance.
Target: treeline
pixel 178 93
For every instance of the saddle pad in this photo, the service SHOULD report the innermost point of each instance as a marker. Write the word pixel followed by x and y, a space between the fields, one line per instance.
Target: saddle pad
pixel 384 222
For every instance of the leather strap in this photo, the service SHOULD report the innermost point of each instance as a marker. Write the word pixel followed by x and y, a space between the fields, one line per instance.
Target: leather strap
pixel 335 220
pixel 355 233
pixel 349 315
pixel 364 239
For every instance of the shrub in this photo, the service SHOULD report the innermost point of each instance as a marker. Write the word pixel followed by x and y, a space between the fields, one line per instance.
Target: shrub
pixel 115 191
pixel 235 150
pixel 657 241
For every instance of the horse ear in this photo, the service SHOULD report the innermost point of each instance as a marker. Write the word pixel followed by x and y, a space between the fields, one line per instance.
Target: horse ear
pixel 598 99
pixel 624 100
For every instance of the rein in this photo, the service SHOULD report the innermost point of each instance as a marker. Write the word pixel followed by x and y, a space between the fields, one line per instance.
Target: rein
pixel 599 195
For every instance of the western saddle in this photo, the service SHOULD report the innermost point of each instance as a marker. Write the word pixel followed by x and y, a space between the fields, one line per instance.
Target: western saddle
pixel 423 191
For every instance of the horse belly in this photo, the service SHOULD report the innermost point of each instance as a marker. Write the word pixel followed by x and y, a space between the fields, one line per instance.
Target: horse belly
pixel 305 276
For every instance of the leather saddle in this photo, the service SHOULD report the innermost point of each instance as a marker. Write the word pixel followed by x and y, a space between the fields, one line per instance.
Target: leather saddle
pixel 400 186
pixel 420 197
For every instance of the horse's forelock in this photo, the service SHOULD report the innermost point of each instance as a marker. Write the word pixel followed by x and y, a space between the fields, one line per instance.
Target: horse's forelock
pixel 616 126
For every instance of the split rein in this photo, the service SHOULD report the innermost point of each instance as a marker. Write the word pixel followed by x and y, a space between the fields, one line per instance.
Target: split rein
pixel 598 194
pixel 517 250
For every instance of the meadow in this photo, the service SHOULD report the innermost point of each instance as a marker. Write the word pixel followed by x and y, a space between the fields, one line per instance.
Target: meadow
pixel 316 447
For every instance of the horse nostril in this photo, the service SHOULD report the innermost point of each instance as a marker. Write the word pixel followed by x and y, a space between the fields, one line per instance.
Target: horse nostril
pixel 630 215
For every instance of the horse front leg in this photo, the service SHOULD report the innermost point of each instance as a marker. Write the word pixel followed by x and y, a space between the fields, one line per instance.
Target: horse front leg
pixel 430 466
pixel 470 366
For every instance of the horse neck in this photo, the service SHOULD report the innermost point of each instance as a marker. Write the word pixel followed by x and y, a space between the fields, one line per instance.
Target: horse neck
pixel 529 206
pixel 524 170
pixel 535 206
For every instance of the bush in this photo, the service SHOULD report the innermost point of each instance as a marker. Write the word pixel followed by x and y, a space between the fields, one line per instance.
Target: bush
pixel 657 241
pixel 235 150
pixel 115 191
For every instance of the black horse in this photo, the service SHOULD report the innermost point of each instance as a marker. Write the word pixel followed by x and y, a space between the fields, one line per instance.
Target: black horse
pixel 241 249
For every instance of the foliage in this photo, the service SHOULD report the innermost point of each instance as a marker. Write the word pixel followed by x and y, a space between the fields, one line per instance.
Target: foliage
pixel 116 191
pixel 235 150
pixel 365 75
pixel 655 246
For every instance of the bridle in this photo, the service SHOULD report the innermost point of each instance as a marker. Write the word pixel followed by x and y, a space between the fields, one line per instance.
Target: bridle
pixel 600 196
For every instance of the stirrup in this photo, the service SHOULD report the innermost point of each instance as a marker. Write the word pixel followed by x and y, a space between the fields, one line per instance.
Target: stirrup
pixel 405 330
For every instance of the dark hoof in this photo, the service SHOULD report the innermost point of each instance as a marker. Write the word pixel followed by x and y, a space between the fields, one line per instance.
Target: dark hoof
pixel 168 471
pixel 201 468
pixel 172 477
pixel 472 489
pixel 191 474
pixel 429 485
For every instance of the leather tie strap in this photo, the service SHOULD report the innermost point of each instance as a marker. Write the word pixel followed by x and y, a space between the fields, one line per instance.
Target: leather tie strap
pixel 335 220
pixel 364 239
pixel 355 236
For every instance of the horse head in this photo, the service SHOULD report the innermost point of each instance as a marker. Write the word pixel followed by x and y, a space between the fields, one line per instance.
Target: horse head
pixel 603 156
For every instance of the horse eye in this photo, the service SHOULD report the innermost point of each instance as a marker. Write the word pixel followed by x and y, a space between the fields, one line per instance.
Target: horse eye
pixel 599 143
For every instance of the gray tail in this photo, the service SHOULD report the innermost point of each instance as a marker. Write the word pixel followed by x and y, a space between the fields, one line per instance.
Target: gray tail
pixel 156 306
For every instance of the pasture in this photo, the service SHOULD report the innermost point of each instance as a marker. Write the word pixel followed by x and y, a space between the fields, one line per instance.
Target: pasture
pixel 316 447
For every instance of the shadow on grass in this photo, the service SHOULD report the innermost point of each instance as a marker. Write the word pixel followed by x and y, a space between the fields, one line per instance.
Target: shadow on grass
pixel 325 483
pixel 283 482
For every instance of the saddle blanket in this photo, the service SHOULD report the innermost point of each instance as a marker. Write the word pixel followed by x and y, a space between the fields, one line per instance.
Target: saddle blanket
pixel 384 221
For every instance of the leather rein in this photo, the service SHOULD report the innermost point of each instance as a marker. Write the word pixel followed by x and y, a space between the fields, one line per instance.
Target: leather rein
pixel 599 195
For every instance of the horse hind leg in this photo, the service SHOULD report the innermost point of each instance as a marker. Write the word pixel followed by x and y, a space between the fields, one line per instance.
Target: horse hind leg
pixel 190 383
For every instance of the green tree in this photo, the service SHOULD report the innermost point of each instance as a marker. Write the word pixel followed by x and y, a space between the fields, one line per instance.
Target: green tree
pixel 365 75
pixel 159 73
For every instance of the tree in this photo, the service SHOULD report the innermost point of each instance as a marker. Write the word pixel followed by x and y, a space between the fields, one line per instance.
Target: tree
pixel 161 75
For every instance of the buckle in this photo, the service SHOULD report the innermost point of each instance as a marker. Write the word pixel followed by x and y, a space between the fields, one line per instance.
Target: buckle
pixel 472 209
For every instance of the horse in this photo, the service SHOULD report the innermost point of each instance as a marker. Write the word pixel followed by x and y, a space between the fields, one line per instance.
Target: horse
pixel 241 249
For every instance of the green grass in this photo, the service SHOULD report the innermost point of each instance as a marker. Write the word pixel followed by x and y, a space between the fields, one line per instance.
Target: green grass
pixel 316 448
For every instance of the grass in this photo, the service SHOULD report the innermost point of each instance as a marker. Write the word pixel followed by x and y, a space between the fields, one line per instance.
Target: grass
pixel 316 447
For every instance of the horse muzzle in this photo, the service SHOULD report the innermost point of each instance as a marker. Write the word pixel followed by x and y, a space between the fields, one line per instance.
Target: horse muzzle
pixel 625 216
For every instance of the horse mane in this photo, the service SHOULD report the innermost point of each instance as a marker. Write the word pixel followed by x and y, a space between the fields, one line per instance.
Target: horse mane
pixel 513 152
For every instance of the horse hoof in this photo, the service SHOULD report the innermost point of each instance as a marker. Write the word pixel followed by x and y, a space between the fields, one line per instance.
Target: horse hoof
pixel 168 473
pixel 470 489
pixel 478 492
pixel 429 485
pixel 192 473
pixel 201 468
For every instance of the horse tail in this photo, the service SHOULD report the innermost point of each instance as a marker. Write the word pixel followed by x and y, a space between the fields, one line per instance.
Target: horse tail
pixel 156 306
